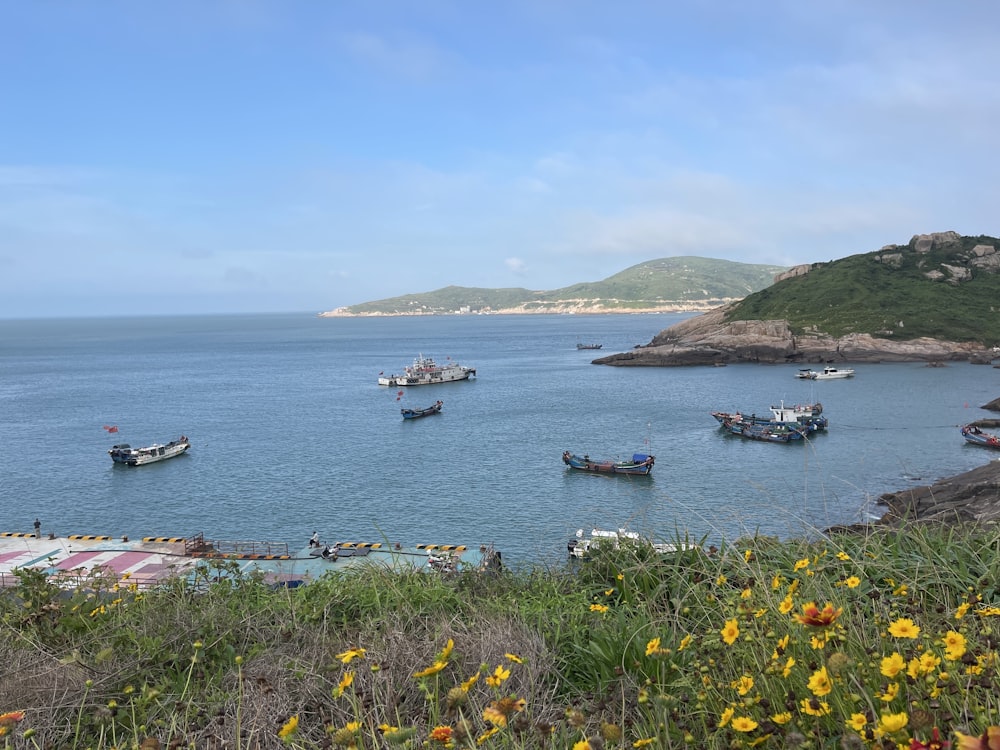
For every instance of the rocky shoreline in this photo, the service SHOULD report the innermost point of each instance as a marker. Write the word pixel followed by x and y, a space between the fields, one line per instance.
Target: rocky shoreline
pixel 708 339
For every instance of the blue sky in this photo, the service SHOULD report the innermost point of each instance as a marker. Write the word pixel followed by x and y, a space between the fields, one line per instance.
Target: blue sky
pixel 293 155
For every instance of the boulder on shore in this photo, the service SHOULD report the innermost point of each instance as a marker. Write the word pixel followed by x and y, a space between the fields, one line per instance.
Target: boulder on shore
pixel 972 497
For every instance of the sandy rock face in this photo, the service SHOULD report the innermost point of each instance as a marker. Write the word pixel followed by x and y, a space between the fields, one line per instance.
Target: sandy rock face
pixel 708 339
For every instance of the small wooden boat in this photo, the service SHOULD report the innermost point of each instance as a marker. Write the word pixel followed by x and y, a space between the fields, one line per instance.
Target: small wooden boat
pixel 434 408
pixel 640 464
pixel 976 436
pixel 126 454
pixel 589 346
pixel 767 431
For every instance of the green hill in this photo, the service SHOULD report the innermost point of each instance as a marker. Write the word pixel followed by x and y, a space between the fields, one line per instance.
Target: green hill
pixel 943 286
pixel 678 283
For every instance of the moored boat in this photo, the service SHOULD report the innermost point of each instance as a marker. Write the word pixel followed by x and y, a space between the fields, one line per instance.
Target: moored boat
pixel 828 373
pixel 589 346
pixel 640 464
pixel 425 371
pixel 126 454
pixel 581 546
pixel 767 431
pixel 976 436
pixel 808 415
pixel 434 408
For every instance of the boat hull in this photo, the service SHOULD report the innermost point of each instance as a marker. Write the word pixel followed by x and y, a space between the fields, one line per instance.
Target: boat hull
pixel 767 431
pixel 974 436
pixel 418 413
pixel 150 454
pixel 425 371
pixel 640 465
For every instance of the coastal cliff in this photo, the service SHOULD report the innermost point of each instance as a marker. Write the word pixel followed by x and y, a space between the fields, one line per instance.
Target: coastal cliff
pixel 708 339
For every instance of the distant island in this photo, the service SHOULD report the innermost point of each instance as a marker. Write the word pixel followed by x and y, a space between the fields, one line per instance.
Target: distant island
pixel 680 284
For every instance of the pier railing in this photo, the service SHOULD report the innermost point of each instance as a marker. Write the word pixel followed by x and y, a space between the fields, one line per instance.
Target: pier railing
pixel 197 544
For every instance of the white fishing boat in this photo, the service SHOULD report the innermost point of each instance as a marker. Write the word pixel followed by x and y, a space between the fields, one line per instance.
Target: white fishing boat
pixel 425 371
pixel 828 373
pixel 126 454
pixel 581 545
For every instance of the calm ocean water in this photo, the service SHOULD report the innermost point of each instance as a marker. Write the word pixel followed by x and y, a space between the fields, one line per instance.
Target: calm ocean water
pixel 290 433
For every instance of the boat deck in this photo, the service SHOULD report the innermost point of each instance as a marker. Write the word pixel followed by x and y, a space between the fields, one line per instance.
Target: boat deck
pixel 73 560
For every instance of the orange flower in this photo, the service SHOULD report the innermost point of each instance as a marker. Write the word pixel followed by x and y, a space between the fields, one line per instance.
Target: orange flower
pixel 8 720
pixel 498 711
pixel 442 734
pixel 934 743
pixel 816 617
pixel 989 740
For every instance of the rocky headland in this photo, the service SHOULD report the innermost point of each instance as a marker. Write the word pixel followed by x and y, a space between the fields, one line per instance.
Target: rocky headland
pixel 708 339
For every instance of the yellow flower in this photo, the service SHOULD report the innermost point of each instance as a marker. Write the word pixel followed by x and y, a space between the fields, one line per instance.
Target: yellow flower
pixel 469 682
pixel 843 556
pixel 432 669
pixel 345 682
pixel 743 685
pixel 904 628
pixel 891 723
pixel 644 741
pixel 962 609
pixel 514 658
pixel 819 683
pixel 892 665
pixel 853 582
pixel 498 711
pixel 857 722
pixel 487 734
pixel 726 716
pixel 788 666
pixel 783 718
pixel 350 654
pixel 814 707
pixel 787 605
pixel 744 724
pixel 721 580
pixel 598 607
pixel 746 593
pixel 803 563
pixel 730 632
pixel 446 651
pixel 891 691
pixel 582 745
pixel 652 646
pixel 685 642
pixel 289 727
pixel 776 582
pixel 954 645
pixel 499 675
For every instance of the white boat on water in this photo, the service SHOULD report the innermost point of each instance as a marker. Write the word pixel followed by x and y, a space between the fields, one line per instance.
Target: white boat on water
pixel 828 373
pixel 581 545
pixel 126 454
pixel 425 371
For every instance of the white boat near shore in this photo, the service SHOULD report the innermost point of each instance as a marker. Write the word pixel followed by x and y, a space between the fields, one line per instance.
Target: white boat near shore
pixel 126 454
pixel 828 373
pixel 425 371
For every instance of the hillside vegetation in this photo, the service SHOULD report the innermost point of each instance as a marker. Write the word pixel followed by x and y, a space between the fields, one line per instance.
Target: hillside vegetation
pixel 667 283
pixel 879 640
pixel 942 286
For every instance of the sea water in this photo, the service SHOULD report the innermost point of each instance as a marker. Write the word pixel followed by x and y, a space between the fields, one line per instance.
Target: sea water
pixel 291 434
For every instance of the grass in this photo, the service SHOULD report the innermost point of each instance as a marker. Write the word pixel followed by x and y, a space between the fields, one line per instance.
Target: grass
pixel 879 640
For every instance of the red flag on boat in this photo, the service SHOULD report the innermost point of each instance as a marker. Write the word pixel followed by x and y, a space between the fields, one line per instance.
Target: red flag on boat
pixel 111 428
pixel 399 395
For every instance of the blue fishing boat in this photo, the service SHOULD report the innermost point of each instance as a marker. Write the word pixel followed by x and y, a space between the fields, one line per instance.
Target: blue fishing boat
pixel 767 431
pixel 976 436
pixel 809 416
pixel 640 464
pixel 434 408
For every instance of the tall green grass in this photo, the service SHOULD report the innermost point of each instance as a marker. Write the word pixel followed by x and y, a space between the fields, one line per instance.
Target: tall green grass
pixel 879 640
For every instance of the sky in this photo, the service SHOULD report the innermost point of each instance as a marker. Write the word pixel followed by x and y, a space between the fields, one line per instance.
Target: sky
pixel 241 156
